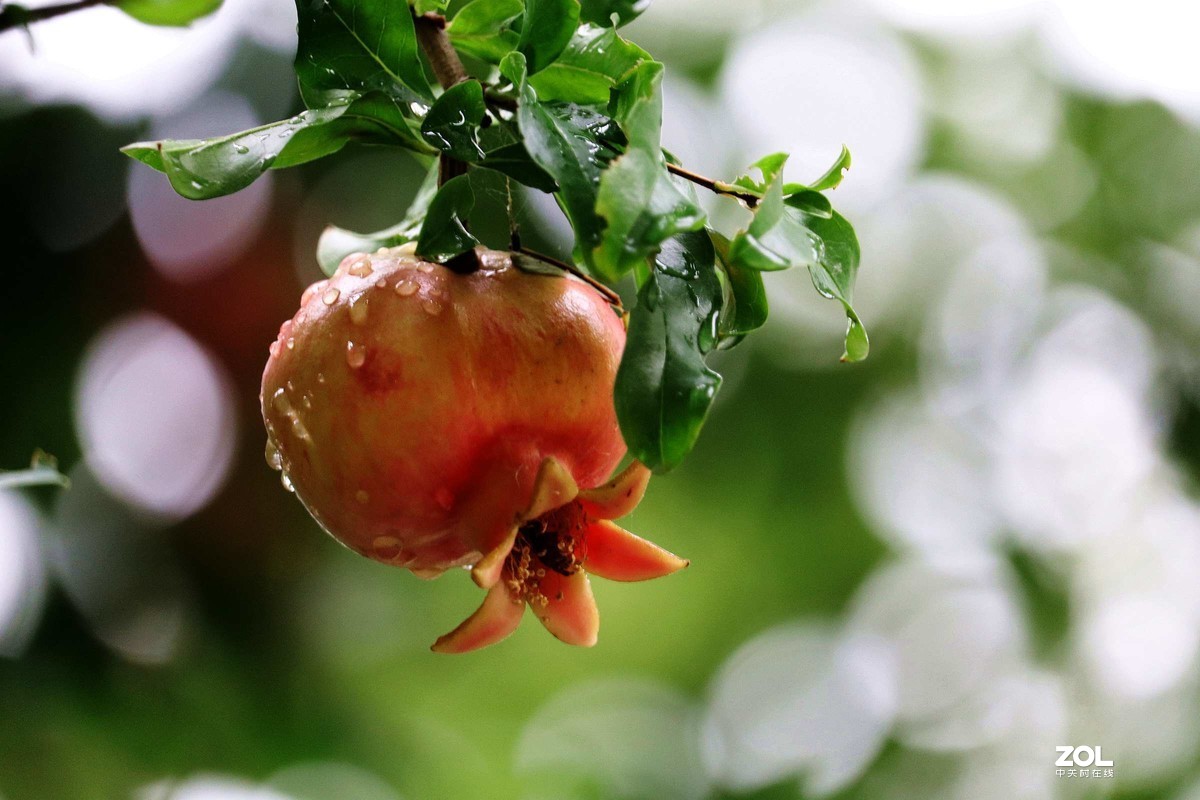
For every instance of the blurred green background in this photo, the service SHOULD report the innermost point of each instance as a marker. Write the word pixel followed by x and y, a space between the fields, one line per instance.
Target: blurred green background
pixel 911 578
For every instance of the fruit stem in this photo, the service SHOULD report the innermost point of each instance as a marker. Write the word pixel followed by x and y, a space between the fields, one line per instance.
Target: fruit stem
pixel 612 297
pixel 717 187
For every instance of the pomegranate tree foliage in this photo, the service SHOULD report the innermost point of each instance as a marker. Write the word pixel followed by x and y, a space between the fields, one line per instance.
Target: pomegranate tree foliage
pixel 553 98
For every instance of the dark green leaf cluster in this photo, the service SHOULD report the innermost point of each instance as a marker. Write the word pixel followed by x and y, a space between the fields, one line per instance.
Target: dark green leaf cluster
pixel 548 93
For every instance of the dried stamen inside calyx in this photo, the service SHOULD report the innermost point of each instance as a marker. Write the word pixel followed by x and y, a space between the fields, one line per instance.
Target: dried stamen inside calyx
pixel 552 542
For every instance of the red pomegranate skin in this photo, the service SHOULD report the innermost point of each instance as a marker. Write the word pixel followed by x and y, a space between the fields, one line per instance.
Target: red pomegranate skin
pixel 412 405
pixel 413 409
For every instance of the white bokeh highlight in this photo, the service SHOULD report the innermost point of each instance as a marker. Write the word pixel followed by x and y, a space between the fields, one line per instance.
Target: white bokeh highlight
pixel 124 70
pixel 154 411
pixel 800 700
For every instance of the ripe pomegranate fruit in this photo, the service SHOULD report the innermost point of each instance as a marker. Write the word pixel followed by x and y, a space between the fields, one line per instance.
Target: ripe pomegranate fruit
pixel 430 419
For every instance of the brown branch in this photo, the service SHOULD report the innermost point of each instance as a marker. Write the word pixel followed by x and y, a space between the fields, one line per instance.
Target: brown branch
pixel 431 34
pixel 612 297
pixel 17 16
pixel 751 200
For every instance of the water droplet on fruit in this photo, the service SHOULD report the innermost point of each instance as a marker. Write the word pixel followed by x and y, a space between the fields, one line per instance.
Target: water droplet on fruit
pixel 379 284
pixel 320 377
pixel 362 496
pixel 284 406
pixel 361 268
pixel 291 343
pixel 444 498
pixel 286 481
pixel 356 354
pixel 358 310
pixel 425 266
pixel 330 297
pixel 274 459
pixel 386 548
pixel 406 288
pixel 306 399
pixel 431 307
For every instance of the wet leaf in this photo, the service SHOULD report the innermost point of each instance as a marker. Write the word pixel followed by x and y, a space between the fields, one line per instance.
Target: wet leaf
pixel 601 12
pixel 483 28
pixel 593 63
pixel 782 236
pixel 572 144
pixel 545 30
pixel 173 13
pixel 638 198
pixel 514 161
pixel 745 307
pixel 337 243
pixel 444 234
pixel 834 175
pixel 664 389
pixel 199 169
pixel 452 123
pixel 360 45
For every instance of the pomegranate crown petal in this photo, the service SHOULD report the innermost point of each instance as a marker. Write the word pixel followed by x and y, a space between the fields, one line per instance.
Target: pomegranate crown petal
pixel 543 563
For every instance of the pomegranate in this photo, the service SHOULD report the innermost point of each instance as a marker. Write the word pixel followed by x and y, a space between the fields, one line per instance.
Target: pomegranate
pixel 429 419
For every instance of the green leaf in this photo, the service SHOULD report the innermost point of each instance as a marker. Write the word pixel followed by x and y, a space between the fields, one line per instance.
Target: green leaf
pixel 833 176
pixel 337 243
pixel 452 123
pixel 572 144
pixel 834 273
pixel 781 236
pixel 593 63
pixel 173 13
pixel 429 6
pixel 601 11
pixel 483 29
pixel 745 308
pixel 43 471
pixel 769 167
pixel 361 45
pixel 638 198
pixel 200 169
pixel 444 234
pixel 664 389
pixel 514 161
pixel 545 31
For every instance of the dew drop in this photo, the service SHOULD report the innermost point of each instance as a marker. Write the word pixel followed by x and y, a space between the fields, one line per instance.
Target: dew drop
pixel 431 307
pixel 356 354
pixel 361 268
pixel 406 288
pixel 287 482
pixel 291 343
pixel 320 377
pixel 330 297
pixel 274 459
pixel 358 310
pixel 386 548
pixel 241 149
pixel 425 266
pixel 379 284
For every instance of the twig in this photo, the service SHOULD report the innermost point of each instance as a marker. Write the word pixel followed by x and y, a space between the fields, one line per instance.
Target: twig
pixel 609 295
pixel 17 16
pixel 717 187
